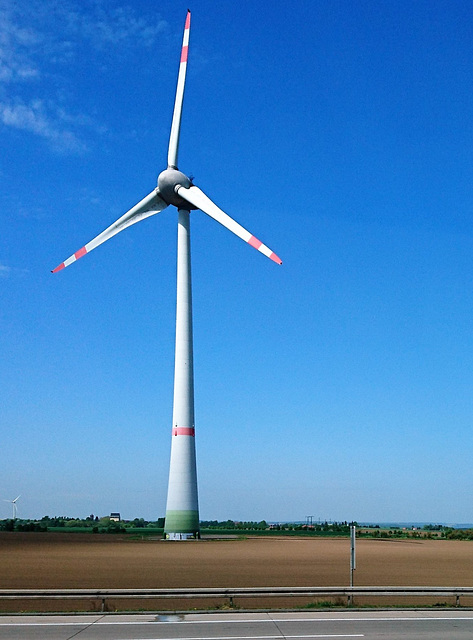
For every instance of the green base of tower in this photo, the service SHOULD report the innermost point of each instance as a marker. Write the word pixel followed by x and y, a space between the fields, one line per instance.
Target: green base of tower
pixel 181 523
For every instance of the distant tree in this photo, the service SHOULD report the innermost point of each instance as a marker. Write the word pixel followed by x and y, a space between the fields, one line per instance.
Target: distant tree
pixel 140 523
pixel 73 523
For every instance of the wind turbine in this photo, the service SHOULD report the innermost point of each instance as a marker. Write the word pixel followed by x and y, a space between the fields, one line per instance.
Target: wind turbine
pixel 175 188
pixel 14 507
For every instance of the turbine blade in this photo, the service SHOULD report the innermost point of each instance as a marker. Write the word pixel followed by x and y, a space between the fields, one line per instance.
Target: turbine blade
pixel 16 498
pixel 181 79
pixel 151 204
pixel 198 198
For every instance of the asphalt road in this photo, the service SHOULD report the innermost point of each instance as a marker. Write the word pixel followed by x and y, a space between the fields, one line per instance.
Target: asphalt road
pixel 388 625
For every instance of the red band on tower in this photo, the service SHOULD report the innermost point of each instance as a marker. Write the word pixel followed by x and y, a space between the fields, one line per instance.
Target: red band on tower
pixel 183 431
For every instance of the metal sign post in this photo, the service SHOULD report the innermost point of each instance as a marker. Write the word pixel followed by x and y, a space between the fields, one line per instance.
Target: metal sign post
pixel 352 552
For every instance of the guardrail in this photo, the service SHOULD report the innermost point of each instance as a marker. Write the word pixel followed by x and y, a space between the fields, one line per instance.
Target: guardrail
pixel 102 595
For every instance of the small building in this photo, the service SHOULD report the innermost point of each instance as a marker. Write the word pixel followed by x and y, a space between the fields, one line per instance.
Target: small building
pixel 115 517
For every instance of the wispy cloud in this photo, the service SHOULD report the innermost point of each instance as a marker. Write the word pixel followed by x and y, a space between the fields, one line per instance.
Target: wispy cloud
pixel 16 47
pixel 33 118
pixel 34 95
pixel 103 27
pixel 4 271
pixel 9 272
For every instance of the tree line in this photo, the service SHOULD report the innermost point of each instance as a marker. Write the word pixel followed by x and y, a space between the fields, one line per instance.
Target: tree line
pixel 96 524
pixel 91 523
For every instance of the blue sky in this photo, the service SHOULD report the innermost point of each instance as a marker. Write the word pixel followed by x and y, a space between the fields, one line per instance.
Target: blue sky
pixel 338 385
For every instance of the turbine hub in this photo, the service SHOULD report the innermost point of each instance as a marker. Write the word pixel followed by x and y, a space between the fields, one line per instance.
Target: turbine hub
pixel 168 180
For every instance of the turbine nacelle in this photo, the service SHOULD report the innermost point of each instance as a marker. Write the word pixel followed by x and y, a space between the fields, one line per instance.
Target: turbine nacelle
pixel 169 181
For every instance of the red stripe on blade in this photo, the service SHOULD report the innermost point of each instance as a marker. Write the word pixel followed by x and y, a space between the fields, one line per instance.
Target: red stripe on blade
pixel 274 257
pixel 184 54
pixel 58 268
pixel 255 242
pixel 188 20
pixel 183 431
pixel 80 253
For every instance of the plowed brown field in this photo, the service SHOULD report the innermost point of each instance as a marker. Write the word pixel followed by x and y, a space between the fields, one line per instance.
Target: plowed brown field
pixel 35 561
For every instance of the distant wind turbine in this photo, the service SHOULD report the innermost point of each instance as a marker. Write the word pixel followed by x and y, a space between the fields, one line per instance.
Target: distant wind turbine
pixel 175 188
pixel 14 507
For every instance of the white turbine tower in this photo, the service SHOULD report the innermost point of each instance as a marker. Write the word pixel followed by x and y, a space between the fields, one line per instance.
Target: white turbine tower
pixel 175 188
pixel 14 507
